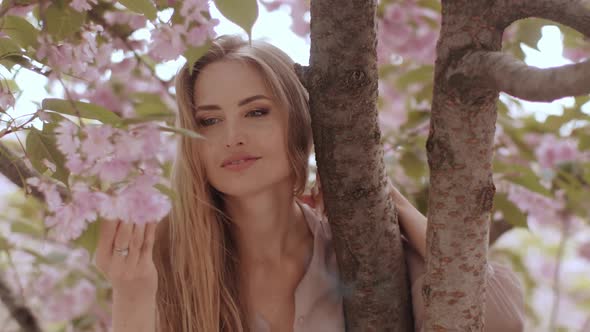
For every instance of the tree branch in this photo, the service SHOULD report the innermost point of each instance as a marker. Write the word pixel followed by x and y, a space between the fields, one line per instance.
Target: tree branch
pixel 21 314
pixel 14 168
pixel 573 13
pixel 342 84
pixel 503 72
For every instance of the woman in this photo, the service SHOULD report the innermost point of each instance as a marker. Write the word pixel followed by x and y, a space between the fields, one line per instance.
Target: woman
pixel 241 250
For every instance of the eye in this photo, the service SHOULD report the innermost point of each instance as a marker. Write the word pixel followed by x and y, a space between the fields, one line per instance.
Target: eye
pixel 258 112
pixel 207 122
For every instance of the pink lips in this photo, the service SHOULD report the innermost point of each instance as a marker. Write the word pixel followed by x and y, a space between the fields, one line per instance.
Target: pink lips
pixel 242 165
pixel 238 162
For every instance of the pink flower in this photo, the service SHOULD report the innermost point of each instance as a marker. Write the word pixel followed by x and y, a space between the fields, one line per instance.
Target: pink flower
pixel 112 170
pixel 57 56
pixel 97 143
pixel 137 144
pixel 394 113
pixel 406 29
pixel 65 224
pixel 299 10
pixel 167 43
pixel 6 97
pixel 71 58
pixel 138 202
pixel 67 137
pixel 552 151
pixel 44 286
pixel 135 21
pixel 82 5
pixel 584 250
pixel 192 11
pixel 21 10
pixel 49 190
pixel 71 303
pixel 199 34
pixel 576 54
pixel 70 220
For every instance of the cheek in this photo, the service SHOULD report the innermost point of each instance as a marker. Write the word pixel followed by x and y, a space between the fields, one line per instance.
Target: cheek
pixel 205 158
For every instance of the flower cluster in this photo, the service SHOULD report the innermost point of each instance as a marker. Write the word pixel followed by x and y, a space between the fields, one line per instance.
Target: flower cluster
pixel 171 40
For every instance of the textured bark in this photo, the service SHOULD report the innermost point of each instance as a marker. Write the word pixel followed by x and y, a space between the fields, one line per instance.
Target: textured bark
pixel 503 72
pixel 13 167
pixel 573 13
pixel 459 149
pixel 21 314
pixel 15 170
pixel 342 81
pixel 469 73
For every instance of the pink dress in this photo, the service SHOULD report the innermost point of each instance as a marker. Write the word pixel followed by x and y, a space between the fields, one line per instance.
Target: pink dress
pixel 318 302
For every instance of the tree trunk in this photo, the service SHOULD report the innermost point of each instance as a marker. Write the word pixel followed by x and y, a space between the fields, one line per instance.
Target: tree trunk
pixel 460 148
pixel 342 82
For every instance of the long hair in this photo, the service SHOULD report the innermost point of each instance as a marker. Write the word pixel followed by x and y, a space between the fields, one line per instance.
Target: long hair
pixel 194 251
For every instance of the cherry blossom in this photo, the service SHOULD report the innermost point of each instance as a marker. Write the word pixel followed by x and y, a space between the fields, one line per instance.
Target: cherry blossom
pixel 553 151
pixel 82 5
pixel 6 97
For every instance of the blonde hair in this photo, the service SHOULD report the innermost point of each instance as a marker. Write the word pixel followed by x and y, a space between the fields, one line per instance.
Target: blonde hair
pixel 194 251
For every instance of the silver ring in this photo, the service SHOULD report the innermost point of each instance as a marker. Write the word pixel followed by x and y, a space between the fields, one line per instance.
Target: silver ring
pixel 122 252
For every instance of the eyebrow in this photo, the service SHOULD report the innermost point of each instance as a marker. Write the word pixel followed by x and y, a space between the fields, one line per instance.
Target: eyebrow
pixel 241 103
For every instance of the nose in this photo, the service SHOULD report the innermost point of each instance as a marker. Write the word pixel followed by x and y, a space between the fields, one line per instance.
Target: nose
pixel 235 136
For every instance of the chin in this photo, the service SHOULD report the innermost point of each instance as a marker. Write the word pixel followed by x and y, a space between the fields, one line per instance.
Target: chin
pixel 249 186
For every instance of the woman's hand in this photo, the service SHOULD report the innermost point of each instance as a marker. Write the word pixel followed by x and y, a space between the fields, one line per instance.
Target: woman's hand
pixel 411 221
pixel 132 273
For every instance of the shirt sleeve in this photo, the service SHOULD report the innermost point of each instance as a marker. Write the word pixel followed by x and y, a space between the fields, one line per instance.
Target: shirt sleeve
pixel 504 295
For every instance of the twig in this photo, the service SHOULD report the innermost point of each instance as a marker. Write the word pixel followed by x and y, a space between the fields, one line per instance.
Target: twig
pixel 503 72
pixel 556 276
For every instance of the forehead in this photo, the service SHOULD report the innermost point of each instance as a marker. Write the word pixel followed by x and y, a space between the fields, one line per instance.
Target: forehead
pixel 227 82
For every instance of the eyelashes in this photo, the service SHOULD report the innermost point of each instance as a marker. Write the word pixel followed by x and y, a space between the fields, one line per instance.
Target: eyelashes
pixel 256 113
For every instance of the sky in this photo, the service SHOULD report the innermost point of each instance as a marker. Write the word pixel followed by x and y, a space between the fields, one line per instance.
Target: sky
pixel 275 28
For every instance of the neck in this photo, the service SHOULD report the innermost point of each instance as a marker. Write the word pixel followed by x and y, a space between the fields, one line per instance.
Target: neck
pixel 265 225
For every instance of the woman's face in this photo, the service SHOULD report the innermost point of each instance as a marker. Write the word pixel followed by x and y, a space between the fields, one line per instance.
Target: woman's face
pixel 241 122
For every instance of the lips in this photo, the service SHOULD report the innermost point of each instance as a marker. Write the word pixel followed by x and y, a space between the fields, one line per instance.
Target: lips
pixel 238 159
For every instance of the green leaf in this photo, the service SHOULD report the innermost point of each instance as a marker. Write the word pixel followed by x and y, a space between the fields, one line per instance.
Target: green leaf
pixel 242 12
pixel 4 244
pixel 145 7
pixel 10 84
pixel 42 146
pixel 194 53
pixel 26 228
pixel 413 166
pixel 8 46
pixel 166 191
pixel 584 142
pixel 86 110
pixel 432 4
pixel 182 131
pixel 20 30
pixel 511 212
pixel 516 134
pixel 63 21
pixel 419 75
pixel 89 238
pixel 523 176
pixel 150 104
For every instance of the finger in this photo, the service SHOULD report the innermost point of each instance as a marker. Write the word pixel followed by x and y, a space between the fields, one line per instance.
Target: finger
pixel 148 243
pixel 107 230
pixel 135 245
pixel 122 241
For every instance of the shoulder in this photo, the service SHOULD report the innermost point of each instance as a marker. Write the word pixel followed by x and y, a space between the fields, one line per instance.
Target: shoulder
pixel 316 219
